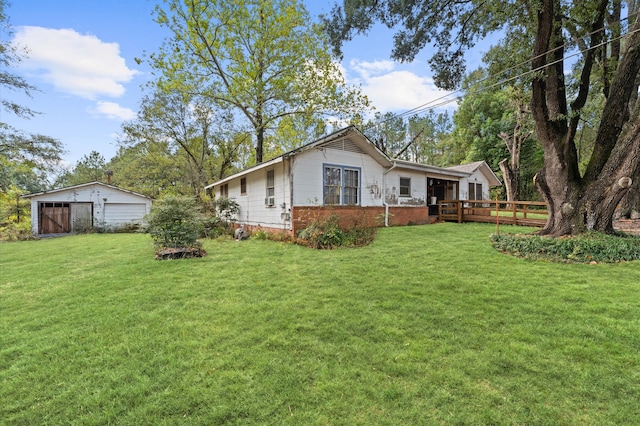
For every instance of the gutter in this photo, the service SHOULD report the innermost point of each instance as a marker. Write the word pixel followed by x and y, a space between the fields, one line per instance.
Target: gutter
pixel 384 194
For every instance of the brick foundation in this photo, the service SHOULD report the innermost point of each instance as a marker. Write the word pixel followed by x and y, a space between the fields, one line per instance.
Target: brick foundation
pixel 367 216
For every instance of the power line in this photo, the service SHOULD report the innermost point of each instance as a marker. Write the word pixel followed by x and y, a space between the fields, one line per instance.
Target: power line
pixel 442 101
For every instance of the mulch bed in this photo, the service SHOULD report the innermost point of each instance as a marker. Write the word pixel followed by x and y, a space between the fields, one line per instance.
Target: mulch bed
pixel 180 253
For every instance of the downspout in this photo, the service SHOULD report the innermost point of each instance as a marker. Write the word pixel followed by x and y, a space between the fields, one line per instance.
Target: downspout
pixel 384 194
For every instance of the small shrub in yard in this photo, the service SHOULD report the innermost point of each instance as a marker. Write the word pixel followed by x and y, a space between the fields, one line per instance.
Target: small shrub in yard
pixel 261 234
pixel 586 248
pixel 175 223
pixel 16 231
pixel 327 234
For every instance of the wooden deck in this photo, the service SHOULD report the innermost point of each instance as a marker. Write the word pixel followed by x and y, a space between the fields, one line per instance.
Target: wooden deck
pixel 525 213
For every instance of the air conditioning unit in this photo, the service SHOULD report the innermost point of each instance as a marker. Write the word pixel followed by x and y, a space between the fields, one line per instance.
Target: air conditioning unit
pixel 270 201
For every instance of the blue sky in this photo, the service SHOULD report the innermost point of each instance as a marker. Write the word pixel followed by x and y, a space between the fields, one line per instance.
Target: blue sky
pixel 82 60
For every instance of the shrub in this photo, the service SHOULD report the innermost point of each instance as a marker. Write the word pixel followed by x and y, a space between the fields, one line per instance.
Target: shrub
pixel 218 215
pixel 16 231
pixel 585 248
pixel 175 222
pixel 328 234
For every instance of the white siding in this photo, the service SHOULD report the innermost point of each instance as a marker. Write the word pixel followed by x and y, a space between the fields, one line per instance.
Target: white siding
pixel 418 195
pixel 476 177
pixel 119 214
pixel 308 176
pixel 98 195
pixel 253 210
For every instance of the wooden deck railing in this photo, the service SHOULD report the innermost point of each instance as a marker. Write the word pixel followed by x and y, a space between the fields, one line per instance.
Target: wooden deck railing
pixel 526 213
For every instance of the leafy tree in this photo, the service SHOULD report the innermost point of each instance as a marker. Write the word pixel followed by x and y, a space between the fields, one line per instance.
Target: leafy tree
pixel 149 168
pixel 262 59
pixel 577 201
pixel 19 151
pixel 90 168
pixel 388 132
pixel 493 123
pixel 429 138
pixel 419 138
pixel 197 135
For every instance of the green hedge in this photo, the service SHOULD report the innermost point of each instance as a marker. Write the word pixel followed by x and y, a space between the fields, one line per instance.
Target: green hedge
pixel 585 248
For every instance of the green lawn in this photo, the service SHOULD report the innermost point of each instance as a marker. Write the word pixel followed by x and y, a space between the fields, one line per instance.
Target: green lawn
pixel 429 325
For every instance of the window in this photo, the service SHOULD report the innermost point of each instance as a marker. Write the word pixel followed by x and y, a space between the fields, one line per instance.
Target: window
pixel 243 186
pixel 405 187
pixel 351 186
pixel 332 185
pixel 475 191
pixel 224 190
pixel 341 185
pixel 270 199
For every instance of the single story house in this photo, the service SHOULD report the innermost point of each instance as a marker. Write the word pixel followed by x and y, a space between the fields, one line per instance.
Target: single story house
pixel 81 207
pixel 346 174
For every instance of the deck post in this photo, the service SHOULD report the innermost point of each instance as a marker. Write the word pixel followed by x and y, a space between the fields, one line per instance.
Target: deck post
pixel 459 203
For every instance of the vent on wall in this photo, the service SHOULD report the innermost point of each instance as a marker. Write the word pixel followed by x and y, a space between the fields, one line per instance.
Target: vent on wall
pixel 344 144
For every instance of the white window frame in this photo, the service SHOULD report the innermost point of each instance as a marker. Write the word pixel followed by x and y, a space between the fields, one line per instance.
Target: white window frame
pixel 475 186
pixel 341 190
pixel 407 187
pixel 270 188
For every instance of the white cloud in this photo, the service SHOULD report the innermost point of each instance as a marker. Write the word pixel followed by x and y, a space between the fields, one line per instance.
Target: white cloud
pixel 389 89
pixel 82 65
pixel 113 111
pixel 366 69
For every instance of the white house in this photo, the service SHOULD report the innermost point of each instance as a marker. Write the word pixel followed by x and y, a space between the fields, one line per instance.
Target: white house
pixel 81 207
pixel 344 173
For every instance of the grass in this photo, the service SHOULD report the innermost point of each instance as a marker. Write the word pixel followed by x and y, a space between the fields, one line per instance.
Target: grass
pixel 428 325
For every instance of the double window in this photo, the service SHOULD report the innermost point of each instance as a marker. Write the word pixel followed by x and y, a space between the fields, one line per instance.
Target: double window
pixel 341 185
pixel 475 191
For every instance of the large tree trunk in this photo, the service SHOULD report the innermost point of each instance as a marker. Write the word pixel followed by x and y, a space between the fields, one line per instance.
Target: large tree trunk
pixel 583 203
pixel 511 180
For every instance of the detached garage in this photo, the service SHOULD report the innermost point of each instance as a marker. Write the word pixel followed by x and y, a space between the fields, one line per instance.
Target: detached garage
pixel 82 207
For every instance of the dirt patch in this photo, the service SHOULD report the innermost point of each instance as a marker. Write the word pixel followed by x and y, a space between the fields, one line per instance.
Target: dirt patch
pixel 180 253
pixel 630 226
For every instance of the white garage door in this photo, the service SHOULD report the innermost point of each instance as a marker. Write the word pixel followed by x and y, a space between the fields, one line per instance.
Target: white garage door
pixel 119 214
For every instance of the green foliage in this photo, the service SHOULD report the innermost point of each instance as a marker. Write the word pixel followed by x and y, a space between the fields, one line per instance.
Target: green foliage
pixel 22 155
pixel 90 168
pixel 263 61
pixel 11 231
pixel 584 248
pixel 186 134
pixel 422 139
pixel 227 208
pixel 327 233
pixel 175 222
pixel 261 234
pixel 15 220
pixel 150 168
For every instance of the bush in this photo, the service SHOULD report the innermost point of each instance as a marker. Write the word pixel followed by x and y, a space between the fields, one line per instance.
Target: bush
pixel 585 248
pixel 327 234
pixel 175 222
pixel 218 216
pixel 16 231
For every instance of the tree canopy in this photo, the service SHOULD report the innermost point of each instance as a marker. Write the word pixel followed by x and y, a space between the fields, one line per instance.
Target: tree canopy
pixel 544 31
pixel 263 60
pixel 24 158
